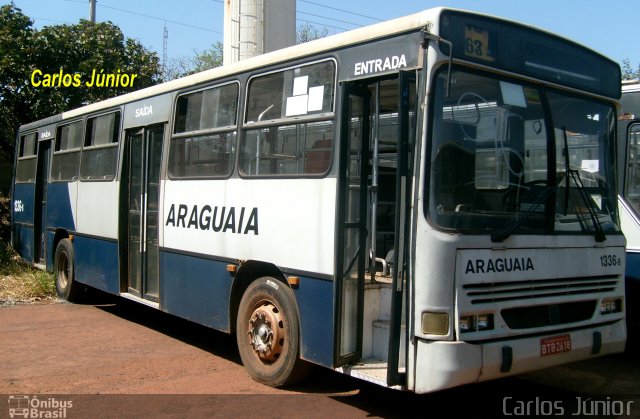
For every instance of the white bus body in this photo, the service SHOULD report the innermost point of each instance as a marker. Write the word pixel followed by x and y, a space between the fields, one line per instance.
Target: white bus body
pixel 422 203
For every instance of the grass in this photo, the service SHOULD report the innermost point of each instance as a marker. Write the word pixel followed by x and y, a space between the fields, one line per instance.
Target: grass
pixel 21 283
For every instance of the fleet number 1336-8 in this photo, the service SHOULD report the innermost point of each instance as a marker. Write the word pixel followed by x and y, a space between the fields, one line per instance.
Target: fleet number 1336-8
pixel 610 260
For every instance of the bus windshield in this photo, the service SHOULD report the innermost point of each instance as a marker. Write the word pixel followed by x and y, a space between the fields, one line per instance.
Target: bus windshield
pixel 511 158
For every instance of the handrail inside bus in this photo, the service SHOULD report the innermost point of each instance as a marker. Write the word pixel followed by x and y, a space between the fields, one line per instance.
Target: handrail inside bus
pixel 258 139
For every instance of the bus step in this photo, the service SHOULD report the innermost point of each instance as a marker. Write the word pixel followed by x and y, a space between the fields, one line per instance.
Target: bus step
pixel 371 370
pixel 381 341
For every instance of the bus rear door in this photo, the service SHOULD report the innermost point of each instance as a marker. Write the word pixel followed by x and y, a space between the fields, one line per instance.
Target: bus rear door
pixel 141 175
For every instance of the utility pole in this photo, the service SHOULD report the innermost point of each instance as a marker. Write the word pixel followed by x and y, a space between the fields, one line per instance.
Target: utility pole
pixel 92 11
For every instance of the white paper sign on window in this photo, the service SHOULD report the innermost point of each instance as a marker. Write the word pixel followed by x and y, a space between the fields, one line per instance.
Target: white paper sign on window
pixel 300 85
pixel 316 96
pixel 297 105
pixel 591 166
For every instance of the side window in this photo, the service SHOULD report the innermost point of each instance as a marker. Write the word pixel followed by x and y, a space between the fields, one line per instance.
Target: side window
pixel 278 145
pixel 27 158
pixel 300 149
pixel 304 90
pixel 204 134
pixel 66 158
pixel 100 153
pixel 632 181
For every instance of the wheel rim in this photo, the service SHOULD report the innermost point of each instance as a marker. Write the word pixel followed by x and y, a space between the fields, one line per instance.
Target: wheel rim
pixel 63 270
pixel 266 331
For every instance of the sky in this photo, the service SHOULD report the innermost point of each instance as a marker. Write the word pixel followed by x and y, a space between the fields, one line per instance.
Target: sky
pixel 194 25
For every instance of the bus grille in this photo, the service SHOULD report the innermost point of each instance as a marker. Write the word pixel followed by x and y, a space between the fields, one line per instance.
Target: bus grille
pixel 548 315
pixel 492 292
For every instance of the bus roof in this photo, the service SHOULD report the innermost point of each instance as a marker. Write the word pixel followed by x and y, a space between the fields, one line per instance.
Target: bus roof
pixel 367 33
pixel 630 86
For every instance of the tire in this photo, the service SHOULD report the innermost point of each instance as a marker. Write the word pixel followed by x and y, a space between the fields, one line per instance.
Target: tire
pixel 267 331
pixel 64 269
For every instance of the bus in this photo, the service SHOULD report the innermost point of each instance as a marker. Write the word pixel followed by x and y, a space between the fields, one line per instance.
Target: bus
pixel 629 187
pixel 421 203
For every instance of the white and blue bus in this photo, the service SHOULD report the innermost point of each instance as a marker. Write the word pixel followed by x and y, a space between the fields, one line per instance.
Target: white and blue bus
pixel 629 188
pixel 422 203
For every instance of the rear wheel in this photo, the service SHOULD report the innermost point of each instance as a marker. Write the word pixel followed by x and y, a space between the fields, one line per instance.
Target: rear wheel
pixel 267 331
pixel 64 267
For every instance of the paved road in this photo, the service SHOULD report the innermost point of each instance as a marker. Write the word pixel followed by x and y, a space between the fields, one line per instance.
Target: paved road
pixel 144 363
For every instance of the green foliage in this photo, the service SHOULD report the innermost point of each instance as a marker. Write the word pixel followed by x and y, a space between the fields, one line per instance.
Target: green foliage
pixel 16 50
pixel 74 49
pixel 628 73
pixel 213 57
pixel 209 59
pixel 85 47
pixel 307 32
pixel 44 284
pixel 20 282
pixel 5 220
pixel 10 263
pixel 201 61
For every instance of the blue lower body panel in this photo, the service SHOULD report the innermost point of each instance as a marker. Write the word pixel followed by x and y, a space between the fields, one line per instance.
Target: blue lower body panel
pixel 633 299
pixel 50 236
pixel 315 304
pixel 23 241
pixel 199 289
pixel 633 266
pixel 196 289
pixel 97 263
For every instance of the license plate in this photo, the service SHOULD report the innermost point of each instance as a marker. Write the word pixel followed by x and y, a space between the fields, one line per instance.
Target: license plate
pixel 555 345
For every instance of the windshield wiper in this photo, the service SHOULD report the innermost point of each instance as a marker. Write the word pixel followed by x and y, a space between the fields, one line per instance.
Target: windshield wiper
pixel 598 232
pixel 597 226
pixel 504 234
pixel 568 174
pixel 566 170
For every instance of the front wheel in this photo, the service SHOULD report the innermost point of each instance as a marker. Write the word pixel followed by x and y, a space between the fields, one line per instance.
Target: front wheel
pixel 267 331
pixel 64 267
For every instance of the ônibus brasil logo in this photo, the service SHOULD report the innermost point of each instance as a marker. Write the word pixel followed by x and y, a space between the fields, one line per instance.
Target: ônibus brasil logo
pixel 23 406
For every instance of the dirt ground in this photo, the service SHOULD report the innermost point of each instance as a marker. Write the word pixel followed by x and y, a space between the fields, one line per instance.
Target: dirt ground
pixel 116 359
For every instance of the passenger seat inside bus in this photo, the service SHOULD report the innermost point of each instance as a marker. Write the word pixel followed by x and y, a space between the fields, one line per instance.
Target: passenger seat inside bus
pixel 318 158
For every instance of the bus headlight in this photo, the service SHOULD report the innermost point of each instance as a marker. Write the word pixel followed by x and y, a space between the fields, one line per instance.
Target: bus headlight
pixel 435 323
pixel 467 324
pixel 610 305
pixel 476 322
pixel 485 322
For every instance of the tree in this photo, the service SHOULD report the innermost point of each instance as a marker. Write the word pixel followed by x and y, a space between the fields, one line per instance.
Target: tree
pixel 213 57
pixel 201 61
pixel 73 49
pixel 16 50
pixel 307 32
pixel 208 59
pixel 89 47
pixel 627 71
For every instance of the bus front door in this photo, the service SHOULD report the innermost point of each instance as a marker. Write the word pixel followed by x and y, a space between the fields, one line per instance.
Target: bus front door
pixel 352 232
pixel 142 178
pixel 376 172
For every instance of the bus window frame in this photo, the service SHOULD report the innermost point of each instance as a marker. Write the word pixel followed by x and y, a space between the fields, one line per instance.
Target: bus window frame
pixel 89 148
pixel 58 138
pixel 22 136
pixel 290 120
pixel 545 88
pixel 205 132
pixel 629 129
